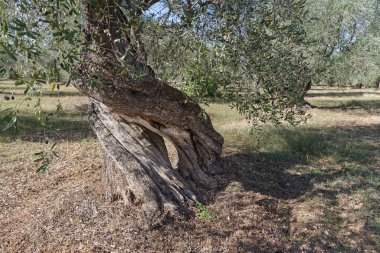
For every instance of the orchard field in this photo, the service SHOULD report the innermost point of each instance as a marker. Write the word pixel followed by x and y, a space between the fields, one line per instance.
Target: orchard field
pixel 314 187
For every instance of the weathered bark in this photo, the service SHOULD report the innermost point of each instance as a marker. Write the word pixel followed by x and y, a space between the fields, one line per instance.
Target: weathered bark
pixel 131 115
pixel 357 86
pixel 306 90
pixel 377 83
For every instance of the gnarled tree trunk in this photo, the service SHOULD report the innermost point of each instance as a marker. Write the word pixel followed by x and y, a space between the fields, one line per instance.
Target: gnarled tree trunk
pixel 132 115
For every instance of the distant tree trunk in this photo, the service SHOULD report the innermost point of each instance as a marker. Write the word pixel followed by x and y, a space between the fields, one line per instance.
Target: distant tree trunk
pixel 132 112
pixel 377 83
pixel 357 86
pixel 306 89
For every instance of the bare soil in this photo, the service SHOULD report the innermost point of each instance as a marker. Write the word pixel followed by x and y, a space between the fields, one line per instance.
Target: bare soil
pixel 65 210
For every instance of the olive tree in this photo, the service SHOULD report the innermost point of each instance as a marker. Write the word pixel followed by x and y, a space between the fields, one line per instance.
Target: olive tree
pixel 344 40
pixel 125 54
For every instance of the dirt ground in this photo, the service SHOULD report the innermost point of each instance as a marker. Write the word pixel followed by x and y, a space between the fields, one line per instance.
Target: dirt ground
pixel 65 210
pixel 310 189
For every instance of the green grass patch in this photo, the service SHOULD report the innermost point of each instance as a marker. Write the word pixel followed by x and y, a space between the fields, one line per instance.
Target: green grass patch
pixel 205 213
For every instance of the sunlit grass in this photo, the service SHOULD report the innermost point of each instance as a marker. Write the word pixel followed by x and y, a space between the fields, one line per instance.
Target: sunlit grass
pixel 64 110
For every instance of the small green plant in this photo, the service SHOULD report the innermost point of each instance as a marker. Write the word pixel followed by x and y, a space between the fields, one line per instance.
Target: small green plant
pixel 205 213
pixel 374 223
pixel 9 119
pixel 45 157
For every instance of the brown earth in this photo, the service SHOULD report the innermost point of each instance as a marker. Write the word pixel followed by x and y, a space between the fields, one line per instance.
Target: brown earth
pixel 264 204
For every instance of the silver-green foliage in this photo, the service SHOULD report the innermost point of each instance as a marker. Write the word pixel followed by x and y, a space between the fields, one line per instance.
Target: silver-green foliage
pixel 344 40
pixel 248 52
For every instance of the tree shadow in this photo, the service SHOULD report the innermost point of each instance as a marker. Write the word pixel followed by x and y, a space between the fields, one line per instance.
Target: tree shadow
pixel 62 93
pixel 340 94
pixel 8 87
pixel 68 126
pixel 267 172
pixel 20 91
pixel 367 105
pixel 288 174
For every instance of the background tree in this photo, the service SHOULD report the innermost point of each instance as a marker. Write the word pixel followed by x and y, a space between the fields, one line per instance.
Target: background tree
pixel 122 54
pixel 344 41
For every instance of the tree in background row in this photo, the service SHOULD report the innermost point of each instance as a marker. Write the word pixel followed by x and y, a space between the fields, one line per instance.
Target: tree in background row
pixel 344 39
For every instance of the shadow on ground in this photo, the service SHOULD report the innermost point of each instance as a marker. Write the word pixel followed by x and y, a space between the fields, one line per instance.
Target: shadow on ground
pixel 20 91
pixel 268 172
pixel 291 173
pixel 60 126
pixel 341 94
pixel 350 105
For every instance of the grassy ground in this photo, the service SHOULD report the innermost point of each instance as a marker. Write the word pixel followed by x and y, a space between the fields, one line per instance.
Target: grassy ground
pixel 310 188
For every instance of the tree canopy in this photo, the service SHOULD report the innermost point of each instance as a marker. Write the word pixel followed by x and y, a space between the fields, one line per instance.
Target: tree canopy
pixel 259 55
pixel 344 41
pixel 247 52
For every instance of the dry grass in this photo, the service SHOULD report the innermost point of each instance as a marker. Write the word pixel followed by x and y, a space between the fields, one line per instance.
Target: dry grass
pixel 312 188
